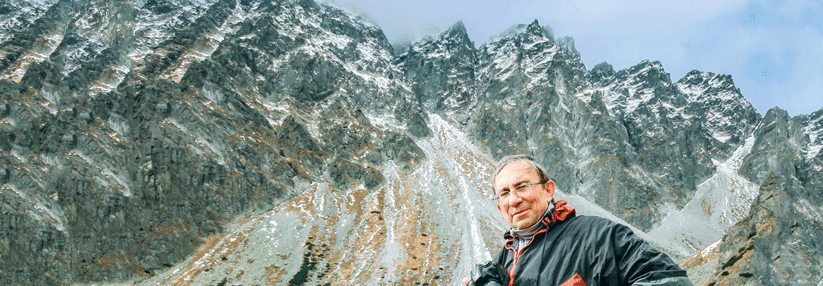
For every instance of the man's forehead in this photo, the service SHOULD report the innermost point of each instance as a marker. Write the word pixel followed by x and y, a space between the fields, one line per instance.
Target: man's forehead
pixel 515 170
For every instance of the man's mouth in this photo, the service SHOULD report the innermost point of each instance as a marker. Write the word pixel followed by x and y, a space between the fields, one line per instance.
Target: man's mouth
pixel 518 212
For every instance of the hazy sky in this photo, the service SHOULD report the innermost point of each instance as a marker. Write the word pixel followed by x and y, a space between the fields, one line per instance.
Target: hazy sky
pixel 772 49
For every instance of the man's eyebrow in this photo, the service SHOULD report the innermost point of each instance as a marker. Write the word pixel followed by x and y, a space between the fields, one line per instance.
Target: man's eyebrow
pixel 504 188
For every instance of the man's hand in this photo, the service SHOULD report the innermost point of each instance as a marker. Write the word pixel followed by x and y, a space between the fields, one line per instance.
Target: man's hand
pixel 488 274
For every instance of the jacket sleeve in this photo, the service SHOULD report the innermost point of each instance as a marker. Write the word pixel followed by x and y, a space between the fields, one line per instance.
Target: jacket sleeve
pixel 641 264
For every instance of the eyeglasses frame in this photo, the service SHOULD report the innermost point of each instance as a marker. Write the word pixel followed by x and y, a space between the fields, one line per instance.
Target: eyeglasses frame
pixel 518 191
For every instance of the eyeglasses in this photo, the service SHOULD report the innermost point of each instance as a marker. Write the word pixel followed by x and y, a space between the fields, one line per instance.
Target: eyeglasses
pixel 518 191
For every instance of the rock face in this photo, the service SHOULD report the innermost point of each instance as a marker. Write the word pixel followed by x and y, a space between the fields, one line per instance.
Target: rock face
pixel 604 132
pixel 132 131
pixel 442 72
pixel 272 142
pixel 778 243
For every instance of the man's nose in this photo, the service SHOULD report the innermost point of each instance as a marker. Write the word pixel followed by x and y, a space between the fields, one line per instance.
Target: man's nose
pixel 514 199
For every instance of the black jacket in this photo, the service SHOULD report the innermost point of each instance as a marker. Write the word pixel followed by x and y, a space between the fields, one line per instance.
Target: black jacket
pixel 587 249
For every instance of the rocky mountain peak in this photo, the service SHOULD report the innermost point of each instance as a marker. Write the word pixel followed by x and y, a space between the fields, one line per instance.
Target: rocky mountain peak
pixel 601 74
pixel 777 148
pixel 567 45
pixel 712 97
pixel 456 30
pixel 456 35
pixel 429 64
pixel 715 82
pixel 776 120
pixel 534 28
pixel 646 73
pixel 633 87
pixel 575 61
pixel 527 48
pixel 525 33
pixel 649 71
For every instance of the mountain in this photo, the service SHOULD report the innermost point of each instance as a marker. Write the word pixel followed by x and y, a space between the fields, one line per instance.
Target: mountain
pixel 288 142
pixel 777 243
pixel 134 131
pixel 533 94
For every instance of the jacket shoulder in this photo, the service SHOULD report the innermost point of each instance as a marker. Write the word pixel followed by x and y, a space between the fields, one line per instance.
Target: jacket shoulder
pixel 590 223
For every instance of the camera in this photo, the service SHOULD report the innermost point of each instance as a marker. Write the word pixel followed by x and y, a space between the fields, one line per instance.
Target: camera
pixel 489 274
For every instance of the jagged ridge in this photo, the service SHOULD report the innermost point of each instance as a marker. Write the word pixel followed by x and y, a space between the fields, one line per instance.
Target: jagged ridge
pixel 133 132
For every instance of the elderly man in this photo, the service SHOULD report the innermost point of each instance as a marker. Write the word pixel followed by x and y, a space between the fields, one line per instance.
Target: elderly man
pixel 548 244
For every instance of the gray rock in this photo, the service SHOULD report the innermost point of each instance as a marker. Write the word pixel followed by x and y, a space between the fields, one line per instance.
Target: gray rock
pixel 118 162
pixel 778 242
pixel 777 148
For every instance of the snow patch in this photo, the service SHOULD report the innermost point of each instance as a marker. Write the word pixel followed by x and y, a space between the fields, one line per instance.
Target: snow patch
pixel 719 203
pixel 105 174
pixel 813 212
pixel 815 133
pixel 711 247
pixel 201 50
pixel 386 121
pixel 37 204
pixel 42 49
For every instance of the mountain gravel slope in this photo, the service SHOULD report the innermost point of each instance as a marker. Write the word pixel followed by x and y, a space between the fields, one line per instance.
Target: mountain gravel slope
pixel 429 226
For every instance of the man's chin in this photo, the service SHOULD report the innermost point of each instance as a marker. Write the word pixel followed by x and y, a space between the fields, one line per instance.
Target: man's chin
pixel 520 218
pixel 521 224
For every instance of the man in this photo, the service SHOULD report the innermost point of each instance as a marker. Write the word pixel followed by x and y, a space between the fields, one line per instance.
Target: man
pixel 548 244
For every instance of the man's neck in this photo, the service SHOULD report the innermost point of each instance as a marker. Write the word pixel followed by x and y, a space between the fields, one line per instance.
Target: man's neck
pixel 527 233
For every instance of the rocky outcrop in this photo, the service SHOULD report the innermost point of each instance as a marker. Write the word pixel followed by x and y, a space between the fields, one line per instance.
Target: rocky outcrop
pixel 677 129
pixel 630 140
pixel 777 242
pixel 443 72
pixel 777 148
pixel 129 139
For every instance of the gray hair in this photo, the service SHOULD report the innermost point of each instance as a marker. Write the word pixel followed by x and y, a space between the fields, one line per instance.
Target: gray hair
pixel 523 158
pixel 536 166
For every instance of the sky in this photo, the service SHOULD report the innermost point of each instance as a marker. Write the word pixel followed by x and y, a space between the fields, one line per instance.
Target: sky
pixel 772 49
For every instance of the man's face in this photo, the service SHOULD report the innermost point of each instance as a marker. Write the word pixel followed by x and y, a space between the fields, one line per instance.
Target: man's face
pixel 522 210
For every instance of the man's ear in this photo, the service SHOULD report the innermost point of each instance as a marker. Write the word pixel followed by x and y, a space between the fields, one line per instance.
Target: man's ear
pixel 549 187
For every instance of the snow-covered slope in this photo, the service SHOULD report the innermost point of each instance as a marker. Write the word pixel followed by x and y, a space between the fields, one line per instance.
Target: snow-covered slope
pixel 429 226
pixel 719 203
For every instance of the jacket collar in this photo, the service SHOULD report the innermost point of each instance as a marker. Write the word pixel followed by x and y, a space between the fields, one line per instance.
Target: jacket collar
pixel 560 211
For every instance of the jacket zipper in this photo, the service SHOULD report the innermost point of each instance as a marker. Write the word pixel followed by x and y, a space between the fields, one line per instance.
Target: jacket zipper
pixel 518 253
